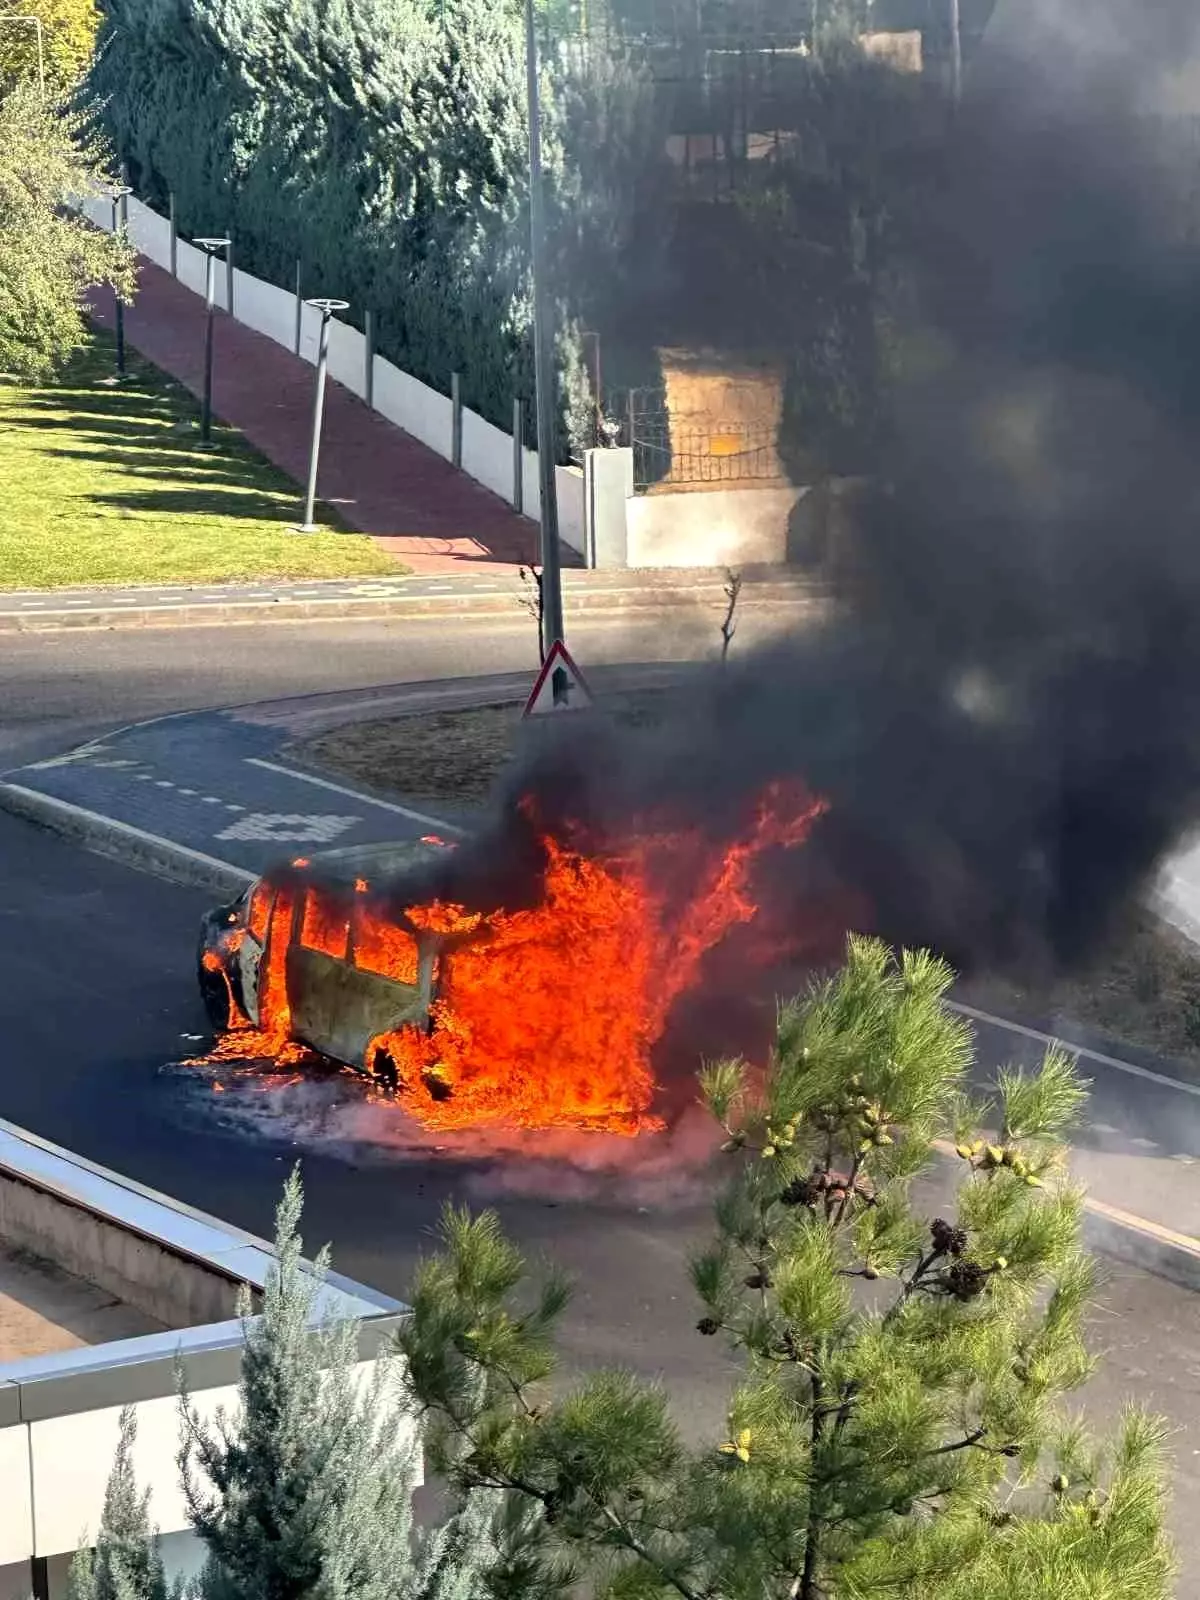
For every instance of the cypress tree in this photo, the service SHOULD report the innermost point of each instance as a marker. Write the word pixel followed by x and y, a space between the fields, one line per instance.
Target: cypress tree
pixel 124 1563
pixel 307 1490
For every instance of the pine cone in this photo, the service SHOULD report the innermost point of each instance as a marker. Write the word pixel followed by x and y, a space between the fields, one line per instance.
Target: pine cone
pixel 802 1192
pixel 708 1326
pixel 947 1239
pixel 966 1280
pixel 758 1280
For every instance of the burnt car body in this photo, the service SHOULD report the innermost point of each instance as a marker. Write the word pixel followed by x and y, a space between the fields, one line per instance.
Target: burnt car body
pixel 310 931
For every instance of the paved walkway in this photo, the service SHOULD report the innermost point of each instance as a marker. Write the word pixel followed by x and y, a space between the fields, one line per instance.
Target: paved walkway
pixel 382 480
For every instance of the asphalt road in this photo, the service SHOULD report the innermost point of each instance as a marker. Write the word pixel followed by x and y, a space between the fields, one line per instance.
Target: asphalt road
pixel 62 688
pixel 98 1001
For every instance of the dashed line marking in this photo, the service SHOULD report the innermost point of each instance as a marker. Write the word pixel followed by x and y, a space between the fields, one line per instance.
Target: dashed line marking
pixel 187 791
pixel 1185 1160
pixel 163 783
pixel 143 777
pixel 211 800
pixel 1144 1144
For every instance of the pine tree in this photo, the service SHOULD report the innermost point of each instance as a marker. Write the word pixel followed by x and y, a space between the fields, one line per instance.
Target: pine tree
pixel 906 1332
pixel 49 258
pixel 124 1563
pixel 307 1490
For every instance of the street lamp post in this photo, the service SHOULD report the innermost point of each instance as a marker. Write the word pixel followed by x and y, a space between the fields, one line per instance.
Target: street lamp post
pixel 212 248
pixel 120 222
pixel 543 354
pixel 327 308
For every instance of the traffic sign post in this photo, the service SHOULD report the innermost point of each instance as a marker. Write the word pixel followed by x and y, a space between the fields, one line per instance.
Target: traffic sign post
pixel 560 686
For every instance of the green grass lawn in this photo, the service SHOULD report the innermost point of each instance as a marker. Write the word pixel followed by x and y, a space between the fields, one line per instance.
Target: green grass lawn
pixel 105 484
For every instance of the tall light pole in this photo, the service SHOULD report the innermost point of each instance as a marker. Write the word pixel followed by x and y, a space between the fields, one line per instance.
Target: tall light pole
pixel 212 248
pixel 545 388
pixel 120 223
pixel 327 309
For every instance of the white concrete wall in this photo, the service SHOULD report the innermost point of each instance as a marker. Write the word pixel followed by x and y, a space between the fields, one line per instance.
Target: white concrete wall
pixel 403 400
pixel 347 356
pixel 726 528
pixel 70 1458
pixel 53 1472
pixel 413 406
pixel 266 309
pixel 487 455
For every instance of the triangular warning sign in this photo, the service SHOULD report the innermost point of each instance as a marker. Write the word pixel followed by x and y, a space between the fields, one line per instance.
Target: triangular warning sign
pixel 560 685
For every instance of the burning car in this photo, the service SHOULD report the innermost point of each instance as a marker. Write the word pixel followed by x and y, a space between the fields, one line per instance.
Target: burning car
pixel 304 959
pixel 541 1012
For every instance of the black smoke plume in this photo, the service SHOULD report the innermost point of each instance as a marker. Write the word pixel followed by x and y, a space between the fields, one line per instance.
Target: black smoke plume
pixel 1004 714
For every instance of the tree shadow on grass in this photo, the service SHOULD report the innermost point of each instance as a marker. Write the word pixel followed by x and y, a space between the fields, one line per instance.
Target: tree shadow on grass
pixel 187 463
pixel 193 502
pixel 99 427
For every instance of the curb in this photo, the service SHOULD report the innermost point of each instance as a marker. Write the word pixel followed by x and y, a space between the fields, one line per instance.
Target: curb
pixel 1140 1243
pixel 105 836
pixel 466 607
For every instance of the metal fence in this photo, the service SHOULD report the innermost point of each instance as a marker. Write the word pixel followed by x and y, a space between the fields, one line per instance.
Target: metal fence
pixel 689 452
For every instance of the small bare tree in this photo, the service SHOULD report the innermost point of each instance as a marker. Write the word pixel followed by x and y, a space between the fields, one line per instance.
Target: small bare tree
pixel 733 589
pixel 531 601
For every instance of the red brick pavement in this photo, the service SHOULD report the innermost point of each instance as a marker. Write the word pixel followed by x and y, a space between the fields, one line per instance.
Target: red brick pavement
pixel 382 480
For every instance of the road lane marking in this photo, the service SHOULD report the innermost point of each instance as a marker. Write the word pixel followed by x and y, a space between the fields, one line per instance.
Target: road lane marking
pixel 1075 1049
pixel 356 794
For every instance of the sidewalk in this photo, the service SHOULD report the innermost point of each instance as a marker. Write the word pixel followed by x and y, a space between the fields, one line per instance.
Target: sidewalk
pixel 382 481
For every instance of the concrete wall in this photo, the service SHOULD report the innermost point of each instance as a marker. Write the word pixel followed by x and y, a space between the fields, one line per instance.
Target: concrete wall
pixel 721 528
pixel 402 399
pixel 143 1272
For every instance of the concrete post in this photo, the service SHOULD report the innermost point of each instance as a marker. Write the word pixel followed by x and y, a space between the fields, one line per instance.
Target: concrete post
pixel 518 438
pixel 229 277
pixel 299 309
pixel 369 358
pixel 174 235
pixel 607 487
pixel 455 420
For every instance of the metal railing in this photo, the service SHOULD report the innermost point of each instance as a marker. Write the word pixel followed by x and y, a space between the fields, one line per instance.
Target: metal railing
pixel 691 452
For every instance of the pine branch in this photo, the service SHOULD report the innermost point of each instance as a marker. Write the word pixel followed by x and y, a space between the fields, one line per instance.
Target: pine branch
pixel 808 1576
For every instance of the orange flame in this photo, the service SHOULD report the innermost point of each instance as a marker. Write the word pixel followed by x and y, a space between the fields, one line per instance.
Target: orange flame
pixel 545 1016
pixel 549 1017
